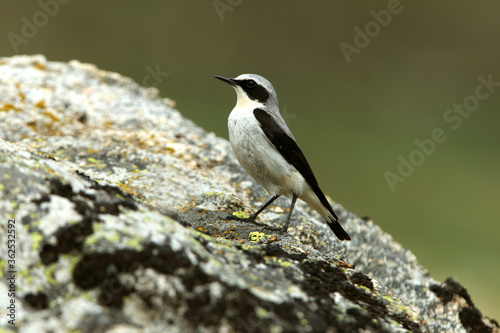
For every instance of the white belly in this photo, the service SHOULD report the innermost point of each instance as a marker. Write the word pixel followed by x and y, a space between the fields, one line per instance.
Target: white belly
pixel 260 159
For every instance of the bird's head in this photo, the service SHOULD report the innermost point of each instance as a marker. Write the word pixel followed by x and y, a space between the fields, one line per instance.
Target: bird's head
pixel 252 89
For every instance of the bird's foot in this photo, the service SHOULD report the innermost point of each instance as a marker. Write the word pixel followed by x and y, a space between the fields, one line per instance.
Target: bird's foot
pixel 251 219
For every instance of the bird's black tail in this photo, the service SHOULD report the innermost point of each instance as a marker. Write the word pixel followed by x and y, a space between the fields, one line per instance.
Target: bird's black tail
pixel 338 230
pixel 333 220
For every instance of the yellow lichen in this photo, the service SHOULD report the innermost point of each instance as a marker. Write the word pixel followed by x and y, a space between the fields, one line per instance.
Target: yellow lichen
pixel 36 239
pixel 241 214
pixel 255 236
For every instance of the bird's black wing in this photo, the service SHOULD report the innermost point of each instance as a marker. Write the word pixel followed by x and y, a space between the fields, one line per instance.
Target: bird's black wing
pixel 289 149
pixel 286 145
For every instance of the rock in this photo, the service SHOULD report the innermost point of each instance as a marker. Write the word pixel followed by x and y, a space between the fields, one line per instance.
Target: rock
pixel 120 207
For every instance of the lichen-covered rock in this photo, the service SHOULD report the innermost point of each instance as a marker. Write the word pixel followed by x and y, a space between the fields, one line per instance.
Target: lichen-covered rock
pixel 120 207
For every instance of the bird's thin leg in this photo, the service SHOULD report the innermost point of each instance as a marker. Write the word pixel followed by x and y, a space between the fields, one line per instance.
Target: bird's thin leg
pixel 294 199
pixel 254 215
pixel 264 206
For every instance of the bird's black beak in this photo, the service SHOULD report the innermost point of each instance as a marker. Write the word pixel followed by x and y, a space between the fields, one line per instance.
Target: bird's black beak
pixel 226 79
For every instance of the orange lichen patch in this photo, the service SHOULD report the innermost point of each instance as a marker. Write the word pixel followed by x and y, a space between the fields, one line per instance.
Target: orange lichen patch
pixel 40 104
pixel 132 190
pixel 343 264
pixel 50 115
pixel 45 127
pixel 10 106
pixel 40 66
pixel 22 96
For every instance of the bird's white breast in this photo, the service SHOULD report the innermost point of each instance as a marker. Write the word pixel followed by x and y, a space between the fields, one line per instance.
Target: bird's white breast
pixel 257 155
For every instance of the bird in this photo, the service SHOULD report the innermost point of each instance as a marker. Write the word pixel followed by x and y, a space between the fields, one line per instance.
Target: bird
pixel 267 150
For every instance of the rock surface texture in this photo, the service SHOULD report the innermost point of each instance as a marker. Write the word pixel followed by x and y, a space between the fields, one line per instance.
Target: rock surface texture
pixel 120 207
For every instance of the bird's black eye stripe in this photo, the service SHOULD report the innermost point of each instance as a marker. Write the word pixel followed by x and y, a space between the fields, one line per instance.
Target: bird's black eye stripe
pixel 254 90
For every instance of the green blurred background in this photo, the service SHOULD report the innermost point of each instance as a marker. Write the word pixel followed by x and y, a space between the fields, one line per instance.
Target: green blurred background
pixel 353 120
